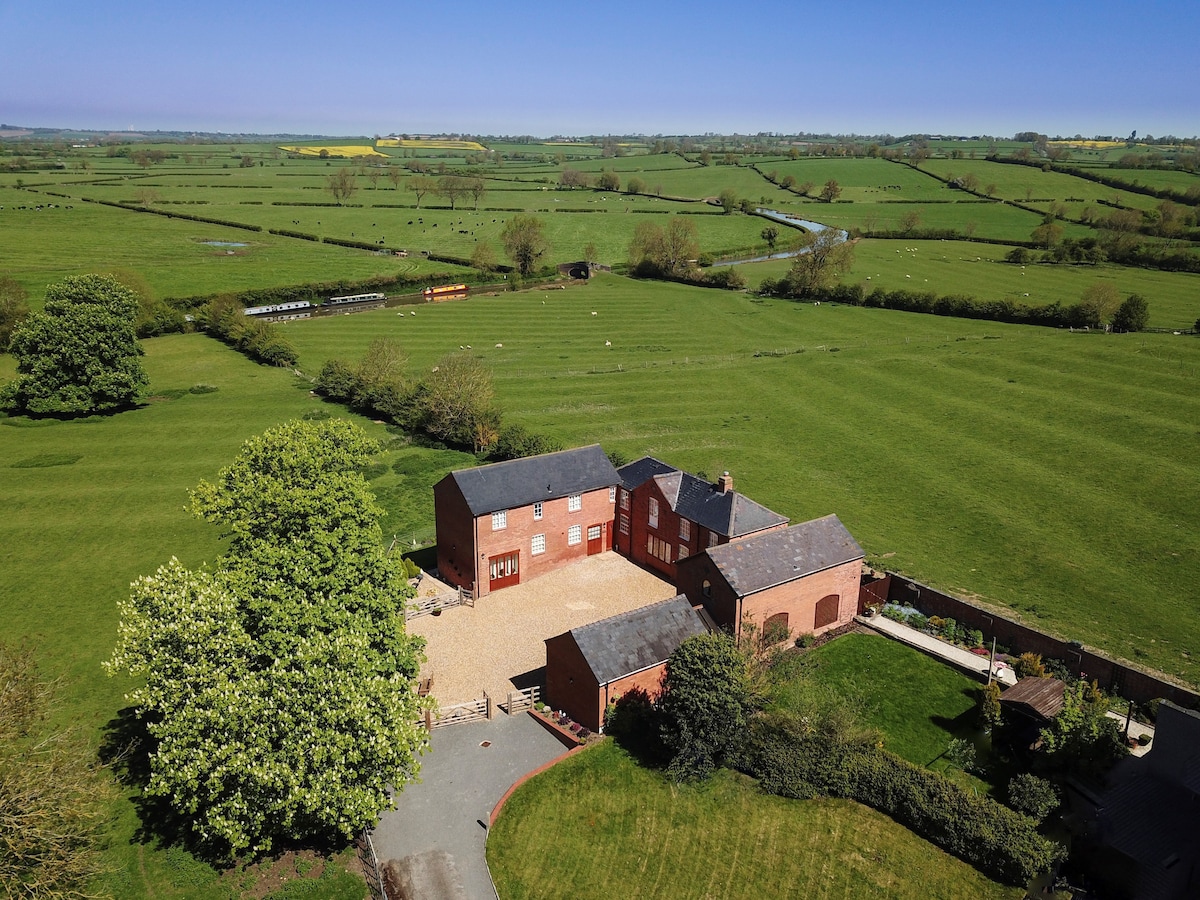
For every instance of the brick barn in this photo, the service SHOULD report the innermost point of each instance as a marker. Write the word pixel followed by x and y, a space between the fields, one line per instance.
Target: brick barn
pixel 804 578
pixel 508 522
pixel 591 666
pixel 665 514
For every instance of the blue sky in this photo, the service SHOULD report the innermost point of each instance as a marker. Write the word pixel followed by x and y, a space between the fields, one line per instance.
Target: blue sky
pixel 542 68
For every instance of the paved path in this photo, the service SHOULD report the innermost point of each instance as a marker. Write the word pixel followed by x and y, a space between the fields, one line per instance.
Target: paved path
pixel 461 782
pixel 927 643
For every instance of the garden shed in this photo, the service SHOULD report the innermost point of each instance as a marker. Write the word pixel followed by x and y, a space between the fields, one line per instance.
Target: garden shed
pixel 591 666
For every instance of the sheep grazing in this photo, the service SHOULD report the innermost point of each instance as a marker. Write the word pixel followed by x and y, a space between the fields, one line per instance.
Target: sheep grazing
pixel 593 312
pixel 461 347
pixel 413 312
pixel 435 368
pixel 498 346
pixel 468 346
pixel 608 343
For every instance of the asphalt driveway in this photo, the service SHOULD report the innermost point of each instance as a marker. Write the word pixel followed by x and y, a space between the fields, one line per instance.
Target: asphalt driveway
pixel 441 822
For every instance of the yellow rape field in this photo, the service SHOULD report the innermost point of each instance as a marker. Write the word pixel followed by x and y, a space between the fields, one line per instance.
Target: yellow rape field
pixel 351 150
pixel 1088 145
pixel 473 146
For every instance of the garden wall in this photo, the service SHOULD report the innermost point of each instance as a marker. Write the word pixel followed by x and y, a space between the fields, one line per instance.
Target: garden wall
pixel 1115 677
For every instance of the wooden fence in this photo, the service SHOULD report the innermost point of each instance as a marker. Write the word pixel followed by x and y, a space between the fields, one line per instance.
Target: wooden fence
pixel 459 713
pixel 519 701
pixel 424 606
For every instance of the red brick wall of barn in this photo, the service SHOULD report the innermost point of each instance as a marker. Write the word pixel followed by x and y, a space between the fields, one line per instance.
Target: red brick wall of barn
pixel 455 535
pixel 571 686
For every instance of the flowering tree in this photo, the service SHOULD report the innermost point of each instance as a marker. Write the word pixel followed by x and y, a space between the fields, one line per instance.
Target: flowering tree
pixel 281 685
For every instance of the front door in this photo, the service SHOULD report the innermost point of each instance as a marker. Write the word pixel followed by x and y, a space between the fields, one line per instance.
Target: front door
pixel 503 570
pixel 595 539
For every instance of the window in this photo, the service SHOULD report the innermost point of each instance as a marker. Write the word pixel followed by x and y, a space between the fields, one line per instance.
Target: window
pixel 500 520
pixel 652 517
pixel 574 535
pixel 612 494
pixel 624 523
pixel 658 548
pixel 539 544
pixel 685 529
pixel 537 510
pixel 594 532
pixel 706 589
pixel 683 552
pixel 575 503
pixel 624 499
pixel 712 539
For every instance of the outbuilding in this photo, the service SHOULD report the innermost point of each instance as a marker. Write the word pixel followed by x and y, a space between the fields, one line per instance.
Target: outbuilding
pixel 591 666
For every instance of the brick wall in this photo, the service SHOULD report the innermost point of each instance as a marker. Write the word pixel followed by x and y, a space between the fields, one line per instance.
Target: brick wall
pixel 1116 677
pixel 799 599
pixel 521 526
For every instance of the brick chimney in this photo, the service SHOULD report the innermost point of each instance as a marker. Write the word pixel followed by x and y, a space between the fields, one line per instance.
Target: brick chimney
pixel 725 483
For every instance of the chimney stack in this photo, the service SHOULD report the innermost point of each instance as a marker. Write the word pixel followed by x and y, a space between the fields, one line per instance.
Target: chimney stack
pixel 725 483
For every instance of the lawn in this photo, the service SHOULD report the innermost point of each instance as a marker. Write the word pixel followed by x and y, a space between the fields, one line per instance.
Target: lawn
pixel 919 703
pixel 583 829
pixel 90 505
pixel 1048 472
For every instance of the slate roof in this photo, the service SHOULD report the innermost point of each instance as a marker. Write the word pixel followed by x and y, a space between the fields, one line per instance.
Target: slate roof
pixel 729 514
pixel 633 641
pixel 1041 696
pixel 520 482
pixel 763 561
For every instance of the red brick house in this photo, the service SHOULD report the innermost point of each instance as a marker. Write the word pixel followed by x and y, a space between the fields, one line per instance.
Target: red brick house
pixel 591 666
pixel 804 578
pixel 509 522
pixel 665 515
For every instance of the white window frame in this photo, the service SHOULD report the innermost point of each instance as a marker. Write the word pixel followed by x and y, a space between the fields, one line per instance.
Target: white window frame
pixel 500 520
pixel 575 503
pixel 537 545
pixel 574 535
pixel 624 499
pixel 685 529
pixel 652 512
pixel 712 539
pixel 612 494
pixel 537 511
pixel 624 524
pixel 599 530
pixel 682 551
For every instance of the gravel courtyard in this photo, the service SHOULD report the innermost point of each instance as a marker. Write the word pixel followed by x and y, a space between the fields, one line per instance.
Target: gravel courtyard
pixel 482 648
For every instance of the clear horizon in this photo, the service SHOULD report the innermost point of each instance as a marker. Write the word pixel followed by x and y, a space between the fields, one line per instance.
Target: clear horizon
pixel 868 68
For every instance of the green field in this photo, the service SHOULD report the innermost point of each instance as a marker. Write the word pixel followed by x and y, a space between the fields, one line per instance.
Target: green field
pixel 583 829
pixel 1046 471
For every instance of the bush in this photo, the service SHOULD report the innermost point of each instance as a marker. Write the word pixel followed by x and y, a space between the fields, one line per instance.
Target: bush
pixel 973 637
pixel 1029 665
pixel 633 722
pixel 337 381
pixel 1132 315
pixel 996 840
pixel 893 613
pixel 917 621
pixel 988 705
pixel 1033 796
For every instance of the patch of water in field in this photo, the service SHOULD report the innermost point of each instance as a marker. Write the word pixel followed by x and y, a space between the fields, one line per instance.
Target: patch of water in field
pixel 788 219
pixel 225 243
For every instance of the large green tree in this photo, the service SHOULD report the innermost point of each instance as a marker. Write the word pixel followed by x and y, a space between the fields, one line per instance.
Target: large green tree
pixel 524 241
pixel 80 353
pixel 705 705
pixel 280 686
pixel 666 251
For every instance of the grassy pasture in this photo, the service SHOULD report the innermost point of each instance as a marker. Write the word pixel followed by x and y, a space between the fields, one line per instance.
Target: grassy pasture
pixel 43 246
pixel 721 839
pixel 91 505
pixel 1027 184
pixel 962 267
pixel 1044 471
